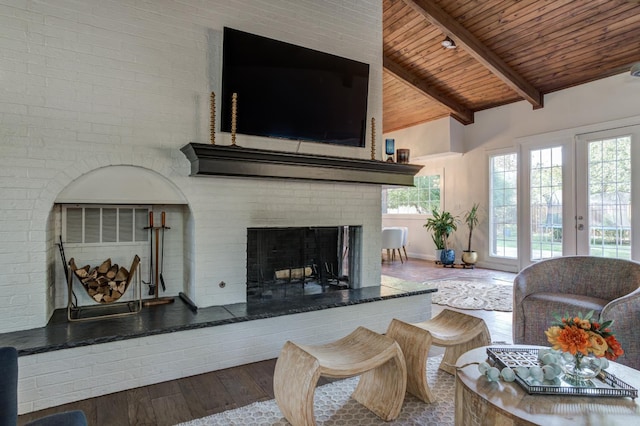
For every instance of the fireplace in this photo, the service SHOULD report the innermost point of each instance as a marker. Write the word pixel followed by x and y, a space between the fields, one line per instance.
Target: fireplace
pixel 294 261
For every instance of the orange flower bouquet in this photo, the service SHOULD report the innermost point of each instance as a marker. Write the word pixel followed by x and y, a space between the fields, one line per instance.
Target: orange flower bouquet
pixel 582 336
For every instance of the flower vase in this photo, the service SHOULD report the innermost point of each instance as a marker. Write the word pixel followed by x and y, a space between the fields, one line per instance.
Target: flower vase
pixel 579 369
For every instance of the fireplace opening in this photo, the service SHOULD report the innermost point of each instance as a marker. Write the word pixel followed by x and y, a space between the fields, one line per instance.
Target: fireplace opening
pixel 297 261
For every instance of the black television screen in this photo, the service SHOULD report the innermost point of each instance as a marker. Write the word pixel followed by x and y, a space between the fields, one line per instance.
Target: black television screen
pixel 291 92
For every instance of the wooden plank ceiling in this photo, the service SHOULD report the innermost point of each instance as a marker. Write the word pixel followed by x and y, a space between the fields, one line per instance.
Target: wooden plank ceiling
pixel 508 50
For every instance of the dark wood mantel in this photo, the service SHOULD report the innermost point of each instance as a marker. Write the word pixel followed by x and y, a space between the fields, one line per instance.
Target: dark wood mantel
pixel 226 160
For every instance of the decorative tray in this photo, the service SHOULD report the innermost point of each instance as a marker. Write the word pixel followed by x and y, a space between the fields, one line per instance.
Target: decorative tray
pixel 605 384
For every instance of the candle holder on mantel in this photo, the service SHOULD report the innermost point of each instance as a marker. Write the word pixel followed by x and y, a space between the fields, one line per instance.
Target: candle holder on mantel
pixel 212 119
pixel 373 138
pixel 234 117
pixel 403 156
pixel 389 149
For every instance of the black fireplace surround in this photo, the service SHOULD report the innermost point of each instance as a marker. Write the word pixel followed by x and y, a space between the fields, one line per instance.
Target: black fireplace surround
pixel 278 257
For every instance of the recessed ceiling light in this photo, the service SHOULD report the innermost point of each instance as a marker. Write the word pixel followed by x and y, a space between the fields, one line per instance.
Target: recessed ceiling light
pixel 448 43
pixel 635 69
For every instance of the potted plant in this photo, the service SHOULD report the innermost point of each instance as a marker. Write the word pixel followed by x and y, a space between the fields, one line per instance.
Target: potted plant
pixel 442 224
pixel 470 257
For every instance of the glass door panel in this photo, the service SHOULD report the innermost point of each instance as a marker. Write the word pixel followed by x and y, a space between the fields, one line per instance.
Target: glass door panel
pixel 605 231
pixel 545 203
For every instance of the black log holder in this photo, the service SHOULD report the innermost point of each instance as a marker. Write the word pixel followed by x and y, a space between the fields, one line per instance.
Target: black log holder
pixel 75 312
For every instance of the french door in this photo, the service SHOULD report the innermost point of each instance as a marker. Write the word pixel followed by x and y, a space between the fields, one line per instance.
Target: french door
pixel 579 195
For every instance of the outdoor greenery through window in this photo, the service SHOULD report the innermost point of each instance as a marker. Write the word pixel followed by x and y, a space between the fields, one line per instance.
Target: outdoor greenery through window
pixel 503 205
pixel 546 203
pixel 610 197
pixel 420 199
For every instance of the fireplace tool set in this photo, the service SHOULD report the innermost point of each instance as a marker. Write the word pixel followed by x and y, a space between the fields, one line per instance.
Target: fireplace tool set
pixel 158 279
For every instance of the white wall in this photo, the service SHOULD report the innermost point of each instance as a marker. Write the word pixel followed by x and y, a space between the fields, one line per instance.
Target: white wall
pixel 466 177
pixel 88 84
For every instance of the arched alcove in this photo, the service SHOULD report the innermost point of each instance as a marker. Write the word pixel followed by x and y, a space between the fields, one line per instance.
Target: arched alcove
pixel 121 185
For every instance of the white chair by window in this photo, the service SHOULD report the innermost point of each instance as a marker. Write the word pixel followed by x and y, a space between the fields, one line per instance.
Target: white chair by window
pixel 391 241
pixel 405 236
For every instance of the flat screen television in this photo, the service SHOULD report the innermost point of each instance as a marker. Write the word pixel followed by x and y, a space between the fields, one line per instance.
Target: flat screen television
pixel 291 92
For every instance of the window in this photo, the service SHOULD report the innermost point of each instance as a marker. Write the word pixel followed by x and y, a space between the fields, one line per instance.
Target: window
pixel 503 205
pixel 609 180
pixel 420 199
pixel 112 224
pixel 546 203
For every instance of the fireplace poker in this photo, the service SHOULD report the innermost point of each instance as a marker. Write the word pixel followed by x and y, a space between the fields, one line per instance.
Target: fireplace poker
pixel 150 228
pixel 66 269
pixel 164 226
pixel 189 302
pixel 153 289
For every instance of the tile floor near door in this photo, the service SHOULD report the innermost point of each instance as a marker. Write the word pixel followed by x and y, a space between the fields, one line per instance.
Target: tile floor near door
pixel 190 398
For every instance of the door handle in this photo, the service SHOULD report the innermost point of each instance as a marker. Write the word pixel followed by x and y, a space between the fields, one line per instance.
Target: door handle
pixel 580 227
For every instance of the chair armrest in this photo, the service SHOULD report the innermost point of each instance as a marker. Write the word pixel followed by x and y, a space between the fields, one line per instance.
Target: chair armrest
pixel 624 312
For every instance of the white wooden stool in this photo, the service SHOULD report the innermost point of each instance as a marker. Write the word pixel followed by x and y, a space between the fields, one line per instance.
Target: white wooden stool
pixel 456 331
pixel 376 358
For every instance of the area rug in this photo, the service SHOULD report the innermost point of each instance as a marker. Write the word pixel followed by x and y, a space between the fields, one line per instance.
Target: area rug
pixel 333 406
pixel 468 294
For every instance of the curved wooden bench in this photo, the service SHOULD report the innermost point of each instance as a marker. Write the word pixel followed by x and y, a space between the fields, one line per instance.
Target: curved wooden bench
pixel 455 331
pixel 377 358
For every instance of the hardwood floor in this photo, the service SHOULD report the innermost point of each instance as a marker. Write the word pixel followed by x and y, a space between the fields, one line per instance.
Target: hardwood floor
pixel 193 397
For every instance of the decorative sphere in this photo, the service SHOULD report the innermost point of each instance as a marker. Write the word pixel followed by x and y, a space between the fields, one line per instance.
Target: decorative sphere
pixel 483 367
pixel 536 373
pixel 522 371
pixel 604 363
pixel 493 374
pixel 507 374
pixel 548 372
pixel 549 358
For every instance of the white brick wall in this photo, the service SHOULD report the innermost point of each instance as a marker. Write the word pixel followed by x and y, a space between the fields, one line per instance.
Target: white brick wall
pixel 87 84
pixel 55 378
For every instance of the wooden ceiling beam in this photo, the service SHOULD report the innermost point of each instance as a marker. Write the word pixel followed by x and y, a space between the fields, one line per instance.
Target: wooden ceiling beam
pixel 475 48
pixel 459 112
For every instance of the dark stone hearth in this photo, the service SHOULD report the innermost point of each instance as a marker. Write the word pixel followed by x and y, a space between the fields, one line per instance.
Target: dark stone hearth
pixel 61 334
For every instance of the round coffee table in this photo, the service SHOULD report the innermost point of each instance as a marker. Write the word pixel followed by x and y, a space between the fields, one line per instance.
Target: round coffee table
pixel 480 402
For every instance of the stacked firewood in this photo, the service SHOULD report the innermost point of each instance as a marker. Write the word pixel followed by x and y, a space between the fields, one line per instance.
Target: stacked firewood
pixel 105 283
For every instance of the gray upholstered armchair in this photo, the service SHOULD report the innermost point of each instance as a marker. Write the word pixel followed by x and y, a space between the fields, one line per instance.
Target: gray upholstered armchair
pixel 9 397
pixel 573 284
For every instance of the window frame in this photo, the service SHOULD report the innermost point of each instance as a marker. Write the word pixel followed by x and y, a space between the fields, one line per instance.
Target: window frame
pixel 65 207
pixel 422 173
pixel 490 202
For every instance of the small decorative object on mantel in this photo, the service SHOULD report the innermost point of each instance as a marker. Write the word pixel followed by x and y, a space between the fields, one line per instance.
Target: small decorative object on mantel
pixel 583 342
pixel 389 148
pixel 403 156
pixel 212 121
pixel 373 138
pixel 234 117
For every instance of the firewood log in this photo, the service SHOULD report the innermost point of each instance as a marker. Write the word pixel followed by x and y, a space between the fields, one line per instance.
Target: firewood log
pixel 122 274
pixel 111 273
pixel 98 297
pixel 104 267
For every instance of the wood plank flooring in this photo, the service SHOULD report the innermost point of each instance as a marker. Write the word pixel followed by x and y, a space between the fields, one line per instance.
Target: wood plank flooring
pixel 193 397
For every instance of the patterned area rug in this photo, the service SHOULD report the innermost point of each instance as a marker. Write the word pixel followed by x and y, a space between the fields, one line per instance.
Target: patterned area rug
pixel 467 294
pixel 333 406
